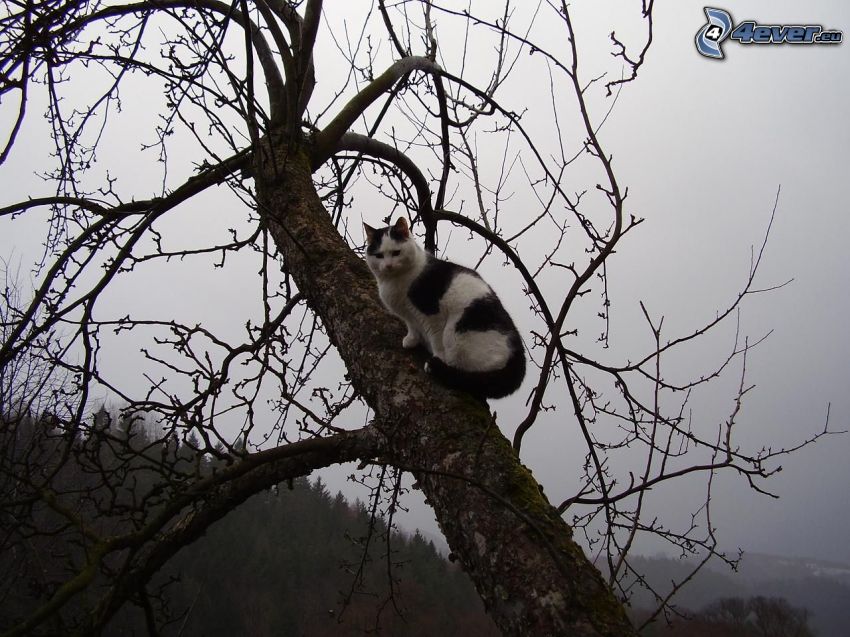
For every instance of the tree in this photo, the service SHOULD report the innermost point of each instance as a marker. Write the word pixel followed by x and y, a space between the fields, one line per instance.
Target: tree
pixel 775 616
pixel 736 617
pixel 241 85
pixel 732 611
pixel 757 616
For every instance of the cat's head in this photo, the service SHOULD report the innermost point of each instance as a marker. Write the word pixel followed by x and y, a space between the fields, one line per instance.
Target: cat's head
pixel 390 251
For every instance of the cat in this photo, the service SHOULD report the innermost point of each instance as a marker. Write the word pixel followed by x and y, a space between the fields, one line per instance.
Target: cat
pixel 448 309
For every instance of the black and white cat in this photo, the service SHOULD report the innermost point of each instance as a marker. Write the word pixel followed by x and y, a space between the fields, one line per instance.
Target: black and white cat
pixel 449 309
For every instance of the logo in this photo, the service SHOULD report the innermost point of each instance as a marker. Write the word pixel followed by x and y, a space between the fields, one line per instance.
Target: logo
pixel 719 28
pixel 708 38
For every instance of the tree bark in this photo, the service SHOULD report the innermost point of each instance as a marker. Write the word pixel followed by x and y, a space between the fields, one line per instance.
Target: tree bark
pixel 534 579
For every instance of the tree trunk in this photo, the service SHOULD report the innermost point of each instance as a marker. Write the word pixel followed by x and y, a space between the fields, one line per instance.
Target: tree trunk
pixel 534 579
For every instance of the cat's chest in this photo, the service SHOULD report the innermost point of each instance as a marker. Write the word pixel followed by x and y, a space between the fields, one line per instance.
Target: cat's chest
pixel 395 297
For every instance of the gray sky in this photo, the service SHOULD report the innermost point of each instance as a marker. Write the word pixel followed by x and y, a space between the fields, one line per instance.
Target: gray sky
pixel 703 146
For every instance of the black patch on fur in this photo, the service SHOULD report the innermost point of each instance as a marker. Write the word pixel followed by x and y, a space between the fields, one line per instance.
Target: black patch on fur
pixel 485 313
pixel 430 286
pixel 497 383
pixel 378 236
pixel 375 243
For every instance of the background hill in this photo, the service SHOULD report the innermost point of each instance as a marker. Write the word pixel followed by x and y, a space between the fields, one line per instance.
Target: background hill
pixel 303 562
pixel 822 588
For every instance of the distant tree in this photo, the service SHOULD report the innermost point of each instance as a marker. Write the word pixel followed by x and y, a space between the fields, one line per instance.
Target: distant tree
pixel 297 111
pixel 737 617
pixel 775 617
pixel 731 611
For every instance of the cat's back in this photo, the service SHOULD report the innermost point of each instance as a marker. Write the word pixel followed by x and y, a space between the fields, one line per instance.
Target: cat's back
pixel 447 285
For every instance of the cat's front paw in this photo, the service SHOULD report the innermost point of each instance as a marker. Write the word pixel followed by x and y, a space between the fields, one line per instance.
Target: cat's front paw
pixel 410 341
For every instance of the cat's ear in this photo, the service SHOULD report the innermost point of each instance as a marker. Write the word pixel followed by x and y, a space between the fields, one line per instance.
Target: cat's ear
pixel 401 228
pixel 370 232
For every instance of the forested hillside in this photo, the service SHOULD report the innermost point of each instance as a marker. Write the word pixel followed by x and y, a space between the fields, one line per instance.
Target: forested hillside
pixel 293 560
pixel 303 562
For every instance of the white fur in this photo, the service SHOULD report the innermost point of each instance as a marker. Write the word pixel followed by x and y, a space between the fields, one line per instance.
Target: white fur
pixel 469 350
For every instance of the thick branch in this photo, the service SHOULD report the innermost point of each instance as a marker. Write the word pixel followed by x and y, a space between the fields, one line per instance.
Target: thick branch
pixel 375 148
pixel 274 81
pixel 208 501
pixel 328 138
pixel 304 55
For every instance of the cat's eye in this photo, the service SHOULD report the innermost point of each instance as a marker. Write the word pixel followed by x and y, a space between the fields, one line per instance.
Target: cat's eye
pixel 379 255
pixel 395 253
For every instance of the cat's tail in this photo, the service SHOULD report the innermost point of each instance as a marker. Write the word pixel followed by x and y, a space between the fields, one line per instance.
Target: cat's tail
pixel 495 383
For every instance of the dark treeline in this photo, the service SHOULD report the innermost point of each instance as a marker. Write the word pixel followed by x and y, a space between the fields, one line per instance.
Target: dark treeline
pixel 294 560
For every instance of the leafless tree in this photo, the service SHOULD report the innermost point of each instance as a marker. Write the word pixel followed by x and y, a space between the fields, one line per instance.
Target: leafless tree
pixel 758 616
pixel 422 112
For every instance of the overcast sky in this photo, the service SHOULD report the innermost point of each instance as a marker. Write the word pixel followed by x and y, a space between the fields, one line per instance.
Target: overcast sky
pixel 704 147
